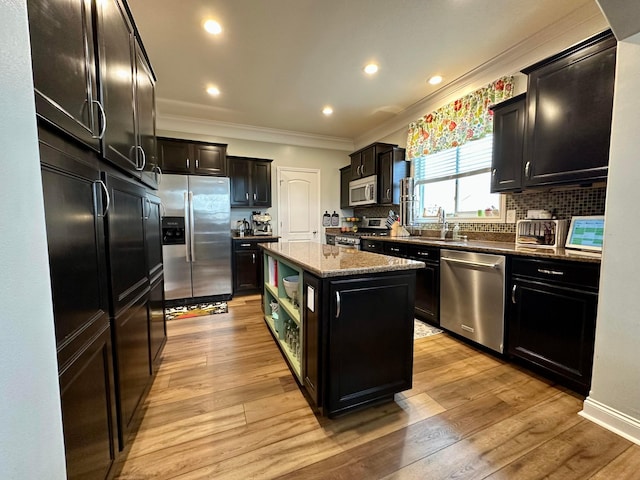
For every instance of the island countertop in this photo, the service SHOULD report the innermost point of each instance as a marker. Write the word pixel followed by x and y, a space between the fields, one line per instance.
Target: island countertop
pixel 334 261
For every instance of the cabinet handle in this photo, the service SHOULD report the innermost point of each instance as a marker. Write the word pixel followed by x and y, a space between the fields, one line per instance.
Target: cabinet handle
pixel 423 254
pixel 144 158
pixel 103 116
pixel 389 193
pixel 550 272
pixel 527 169
pixel 394 249
pixel 255 195
pixel 187 162
pixel 245 244
pixel 246 196
pixel 253 256
pixel 493 172
pixel 362 169
pixel 106 193
pixel 513 294
pixel 157 167
pixel 145 216
pixel 337 304
pixel 359 169
pixel 197 163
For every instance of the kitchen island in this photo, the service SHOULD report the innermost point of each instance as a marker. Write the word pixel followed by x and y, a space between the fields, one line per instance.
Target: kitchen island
pixel 346 327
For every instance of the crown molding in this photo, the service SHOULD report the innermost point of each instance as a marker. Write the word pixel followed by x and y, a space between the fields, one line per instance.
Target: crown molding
pixel 566 31
pixel 225 130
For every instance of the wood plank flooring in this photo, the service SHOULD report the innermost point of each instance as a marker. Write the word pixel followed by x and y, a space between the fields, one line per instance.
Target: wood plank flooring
pixel 224 405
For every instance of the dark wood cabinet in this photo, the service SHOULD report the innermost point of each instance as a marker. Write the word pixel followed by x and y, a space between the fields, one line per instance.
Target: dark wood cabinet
pixel 117 74
pixel 357 349
pixel 569 105
pixel 74 208
pixel 427 282
pixel 126 241
pixel 153 234
pixel 364 162
pixel 188 157
pixel 345 178
pixel 250 180
pixel 508 144
pixel 552 318
pixel 132 358
pixel 369 245
pixel 153 243
pixel 88 409
pixel 157 323
pixel 369 348
pixel 247 265
pixel 146 119
pixel 64 67
pixel 391 168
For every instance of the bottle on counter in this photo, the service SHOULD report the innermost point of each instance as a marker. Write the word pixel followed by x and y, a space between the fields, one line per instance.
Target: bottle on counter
pixel 335 219
pixel 326 219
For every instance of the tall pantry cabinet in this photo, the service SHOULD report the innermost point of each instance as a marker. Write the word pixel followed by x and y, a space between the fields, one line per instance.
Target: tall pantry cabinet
pixel 95 102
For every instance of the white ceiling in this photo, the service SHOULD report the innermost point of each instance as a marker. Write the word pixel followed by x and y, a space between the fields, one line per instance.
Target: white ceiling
pixel 278 62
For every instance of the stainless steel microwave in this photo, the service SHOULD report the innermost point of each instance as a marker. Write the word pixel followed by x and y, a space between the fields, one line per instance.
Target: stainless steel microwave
pixel 363 191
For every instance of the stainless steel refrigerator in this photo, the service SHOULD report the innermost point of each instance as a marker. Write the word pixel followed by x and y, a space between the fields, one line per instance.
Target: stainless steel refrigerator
pixel 196 238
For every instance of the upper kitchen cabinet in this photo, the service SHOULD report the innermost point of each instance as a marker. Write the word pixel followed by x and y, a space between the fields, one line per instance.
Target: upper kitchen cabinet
pixel 64 68
pixel 345 178
pixel 391 168
pixel 250 181
pixel 364 161
pixel 146 119
pixel 569 108
pixel 508 143
pixel 117 74
pixel 188 157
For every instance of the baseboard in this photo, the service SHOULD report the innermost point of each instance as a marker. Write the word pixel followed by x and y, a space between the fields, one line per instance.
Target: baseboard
pixel 611 419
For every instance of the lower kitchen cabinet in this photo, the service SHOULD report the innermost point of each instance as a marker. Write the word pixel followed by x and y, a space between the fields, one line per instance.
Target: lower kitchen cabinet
pixel 132 358
pixel 157 322
pixel 427 283
pixel 247 265
pixel 88 409
pixel 552 318
pixel 355 351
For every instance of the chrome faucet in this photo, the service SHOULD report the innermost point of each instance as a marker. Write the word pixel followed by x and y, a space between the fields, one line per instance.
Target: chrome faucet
pixel 443 222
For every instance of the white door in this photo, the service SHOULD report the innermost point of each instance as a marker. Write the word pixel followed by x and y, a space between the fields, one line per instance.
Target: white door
pixel 299 204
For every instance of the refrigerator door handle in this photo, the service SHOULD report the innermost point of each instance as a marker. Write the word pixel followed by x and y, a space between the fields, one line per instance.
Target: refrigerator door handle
pixel 192 239
pixel 187 227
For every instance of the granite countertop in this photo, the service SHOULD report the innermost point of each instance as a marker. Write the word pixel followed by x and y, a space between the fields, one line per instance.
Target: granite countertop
pixel 333 261
pixel 504 248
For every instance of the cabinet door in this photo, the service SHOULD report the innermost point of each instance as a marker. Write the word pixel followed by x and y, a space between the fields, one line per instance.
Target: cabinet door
pixel 132 358
pixel 570 103
pixel 117 70
pixel 428 293
pixel 261 184
pixel 385 179
pixel 371 246
pixel 146 120
pixel 157 323
pixel 75 236
pixel 554 328
pixel 153 234
pixel 508 144
pixel 356 164
pixel 246 271
pixel 209 160
pixel 345 178
pixel 239 177
pixel 370 344
pixel 126 237
pixel 88 409
pixel 368 162
pixel 174 156
pixel 62 42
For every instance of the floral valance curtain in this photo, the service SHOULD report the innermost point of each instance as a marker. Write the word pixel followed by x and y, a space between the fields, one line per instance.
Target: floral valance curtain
pixel 465 119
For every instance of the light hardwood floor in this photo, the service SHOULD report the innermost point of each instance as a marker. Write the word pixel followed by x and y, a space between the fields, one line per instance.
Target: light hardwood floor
pixel 225 406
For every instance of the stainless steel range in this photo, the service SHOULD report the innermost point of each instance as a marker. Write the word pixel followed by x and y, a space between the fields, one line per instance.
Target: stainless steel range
pixel 371 227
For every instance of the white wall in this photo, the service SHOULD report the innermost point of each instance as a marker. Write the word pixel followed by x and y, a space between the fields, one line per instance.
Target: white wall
pixel 614 400
pixel 329 162
pixel 31 443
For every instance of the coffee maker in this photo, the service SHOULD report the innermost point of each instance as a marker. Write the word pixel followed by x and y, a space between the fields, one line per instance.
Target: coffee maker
pixel 261 223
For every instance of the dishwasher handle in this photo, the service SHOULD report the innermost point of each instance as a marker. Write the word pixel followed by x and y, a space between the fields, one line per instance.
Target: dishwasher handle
pixel 473 264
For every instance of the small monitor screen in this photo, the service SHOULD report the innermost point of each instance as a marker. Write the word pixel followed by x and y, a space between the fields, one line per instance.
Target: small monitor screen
pixel 586 233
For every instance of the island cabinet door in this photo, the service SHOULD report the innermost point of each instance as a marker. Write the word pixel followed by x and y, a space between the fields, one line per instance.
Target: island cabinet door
pixel 370 339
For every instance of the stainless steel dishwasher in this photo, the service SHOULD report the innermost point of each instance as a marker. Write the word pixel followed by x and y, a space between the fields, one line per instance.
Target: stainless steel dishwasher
pixel 472 291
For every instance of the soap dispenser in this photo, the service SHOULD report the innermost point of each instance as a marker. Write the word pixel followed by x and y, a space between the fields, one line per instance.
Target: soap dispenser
pixel 326 219
pixel 456 232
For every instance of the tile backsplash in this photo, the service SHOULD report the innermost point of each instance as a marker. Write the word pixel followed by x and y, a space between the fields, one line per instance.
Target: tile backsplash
pixel 563 203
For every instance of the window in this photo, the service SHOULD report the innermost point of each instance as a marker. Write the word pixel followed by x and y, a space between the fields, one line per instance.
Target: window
pixel 458 180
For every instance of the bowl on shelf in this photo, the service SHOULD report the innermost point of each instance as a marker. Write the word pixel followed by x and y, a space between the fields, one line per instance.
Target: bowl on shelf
pixel 291 286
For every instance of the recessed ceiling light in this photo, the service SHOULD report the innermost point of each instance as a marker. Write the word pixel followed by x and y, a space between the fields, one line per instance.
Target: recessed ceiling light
pixel 327 110
pixel 435 80
pixel 212 27
pixel 213 91
pixel 371 68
